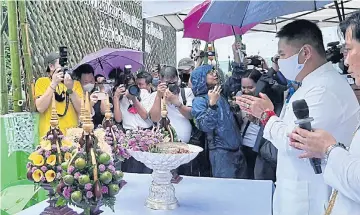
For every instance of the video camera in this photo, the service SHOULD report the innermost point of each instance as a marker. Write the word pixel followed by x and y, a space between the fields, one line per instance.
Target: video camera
pixel 335 55
pixel 63 60
pixel 254 60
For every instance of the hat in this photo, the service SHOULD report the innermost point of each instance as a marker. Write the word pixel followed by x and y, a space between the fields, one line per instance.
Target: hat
pixel 186 64
pixel 51 57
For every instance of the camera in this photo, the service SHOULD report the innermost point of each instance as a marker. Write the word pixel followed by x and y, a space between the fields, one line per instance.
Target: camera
pixel 173 88
pixel 127 69
pixel 254 60
pixel 63 60
pixel 333 53
pixel 134 90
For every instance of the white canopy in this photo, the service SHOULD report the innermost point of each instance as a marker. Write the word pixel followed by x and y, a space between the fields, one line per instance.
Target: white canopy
pixel 169 13
pixel 324 17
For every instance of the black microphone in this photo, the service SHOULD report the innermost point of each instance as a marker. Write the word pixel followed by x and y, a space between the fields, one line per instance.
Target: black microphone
pixel 301 111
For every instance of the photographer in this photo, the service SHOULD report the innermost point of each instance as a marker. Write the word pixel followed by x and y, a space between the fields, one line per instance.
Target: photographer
pixel 67 92
pixel 144 81
pixel 250 126
pixel 96 90
pixel 178 112
pixel 128 107
pixel 185 67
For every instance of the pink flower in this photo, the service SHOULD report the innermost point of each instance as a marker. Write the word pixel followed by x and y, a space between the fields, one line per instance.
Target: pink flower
pixel 64 148
pixel 101 167
pixel 33 169
pixel 44 168
pixel 58 175
pixel 43 179
pixel 50 137
pixel 58 168
pixel 70 169
pixel 53 147
pixel 111 168
pixel 89 194
pixel 47 153
pixel 77 175
pixel 66 193
pixel 104 189
pixel 88 186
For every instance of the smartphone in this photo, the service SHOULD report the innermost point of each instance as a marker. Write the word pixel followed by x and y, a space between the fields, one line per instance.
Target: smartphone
pixel 101 96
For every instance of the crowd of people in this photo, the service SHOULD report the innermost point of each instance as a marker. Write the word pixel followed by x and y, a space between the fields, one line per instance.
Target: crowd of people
pixel 244 123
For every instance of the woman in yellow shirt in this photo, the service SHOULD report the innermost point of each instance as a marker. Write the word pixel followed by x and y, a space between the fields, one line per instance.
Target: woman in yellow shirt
pixel 68 94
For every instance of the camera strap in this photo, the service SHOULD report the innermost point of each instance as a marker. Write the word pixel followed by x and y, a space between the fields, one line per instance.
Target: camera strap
pixel 182 92
pixel 67 100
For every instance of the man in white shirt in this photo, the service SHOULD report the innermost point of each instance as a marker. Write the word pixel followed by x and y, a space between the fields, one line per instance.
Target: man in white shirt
pixel 342 171
pixel 331 103
pixel 178 113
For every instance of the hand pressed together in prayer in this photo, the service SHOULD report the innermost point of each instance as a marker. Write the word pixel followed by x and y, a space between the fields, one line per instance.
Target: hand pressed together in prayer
pixel 314 143
pixel 254 105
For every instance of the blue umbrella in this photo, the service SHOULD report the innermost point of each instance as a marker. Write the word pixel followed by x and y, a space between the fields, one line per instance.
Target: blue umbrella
pixel 241 13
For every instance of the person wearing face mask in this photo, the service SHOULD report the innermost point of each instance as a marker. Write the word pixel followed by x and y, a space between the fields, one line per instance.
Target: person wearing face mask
pixel 250 126
pixel 155 72
pixel 85 74
pixel 342 171
pixel 144 81
pixel 331 102
pixel 67 93
pixel 185 67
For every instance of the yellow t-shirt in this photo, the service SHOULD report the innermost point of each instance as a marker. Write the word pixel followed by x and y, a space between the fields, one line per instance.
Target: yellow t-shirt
pixel 70 120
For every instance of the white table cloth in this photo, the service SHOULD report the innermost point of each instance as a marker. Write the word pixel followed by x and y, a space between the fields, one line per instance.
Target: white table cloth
pixel 196 195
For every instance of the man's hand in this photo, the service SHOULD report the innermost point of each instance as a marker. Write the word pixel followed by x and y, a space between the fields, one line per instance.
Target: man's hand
pixel 214 95
pixel 57 77
pixel 236 46
pixel 173 99
pixel 68 82
pixel 161 89
pixel 275 65
pixel 253 105
pixel 93 99
pixel 313 143
pixel 100 80
pixel 120 92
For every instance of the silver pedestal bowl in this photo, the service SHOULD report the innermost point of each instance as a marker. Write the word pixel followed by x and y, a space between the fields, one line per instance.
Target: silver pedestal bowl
pixel 162 192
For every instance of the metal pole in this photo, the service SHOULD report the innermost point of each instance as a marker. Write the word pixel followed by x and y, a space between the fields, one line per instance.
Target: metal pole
pixel 143 40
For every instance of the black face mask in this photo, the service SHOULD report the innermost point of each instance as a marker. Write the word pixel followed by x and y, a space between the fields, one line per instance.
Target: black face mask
pixel 185 77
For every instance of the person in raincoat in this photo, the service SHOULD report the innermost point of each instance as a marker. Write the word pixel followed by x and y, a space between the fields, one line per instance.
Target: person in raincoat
pixel 213 116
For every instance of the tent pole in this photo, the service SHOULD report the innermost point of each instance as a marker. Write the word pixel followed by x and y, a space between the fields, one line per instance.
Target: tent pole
pixel 143 39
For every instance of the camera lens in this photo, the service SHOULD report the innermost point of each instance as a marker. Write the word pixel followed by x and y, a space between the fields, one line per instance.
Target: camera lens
pixel 134 90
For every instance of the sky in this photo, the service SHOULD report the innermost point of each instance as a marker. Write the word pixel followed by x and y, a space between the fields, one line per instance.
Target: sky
pixel 263 44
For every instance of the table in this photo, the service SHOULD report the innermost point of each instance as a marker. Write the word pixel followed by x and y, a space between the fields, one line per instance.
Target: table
pixel 196 195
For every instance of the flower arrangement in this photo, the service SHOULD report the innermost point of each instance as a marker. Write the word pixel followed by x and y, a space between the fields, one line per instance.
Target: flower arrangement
pixel 114 137
pixel 91 179
pixel 45 164
pixel 140 140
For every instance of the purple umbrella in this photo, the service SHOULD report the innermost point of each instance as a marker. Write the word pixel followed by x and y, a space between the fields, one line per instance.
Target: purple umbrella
pixel 107 59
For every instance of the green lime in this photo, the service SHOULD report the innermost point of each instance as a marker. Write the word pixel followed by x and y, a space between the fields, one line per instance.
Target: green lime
pixel 68 179
pixel 106 177
pixel 80 163
pixel 113 189
pixel 104 158
pixel 76 196
pixel 84 179
pixel 118 175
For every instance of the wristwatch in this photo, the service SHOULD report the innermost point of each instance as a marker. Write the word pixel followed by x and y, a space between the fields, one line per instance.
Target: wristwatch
pixel 69 91
pixel 265 116
pixel 330 148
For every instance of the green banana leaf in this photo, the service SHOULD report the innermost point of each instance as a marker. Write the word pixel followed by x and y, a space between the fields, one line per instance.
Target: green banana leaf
pixel 14 198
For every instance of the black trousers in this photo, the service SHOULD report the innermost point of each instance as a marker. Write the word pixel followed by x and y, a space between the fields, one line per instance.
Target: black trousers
pixel 250 157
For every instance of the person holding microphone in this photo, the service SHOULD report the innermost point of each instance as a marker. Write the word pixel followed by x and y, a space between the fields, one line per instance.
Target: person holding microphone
pixel 342 170
pixel 331 103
